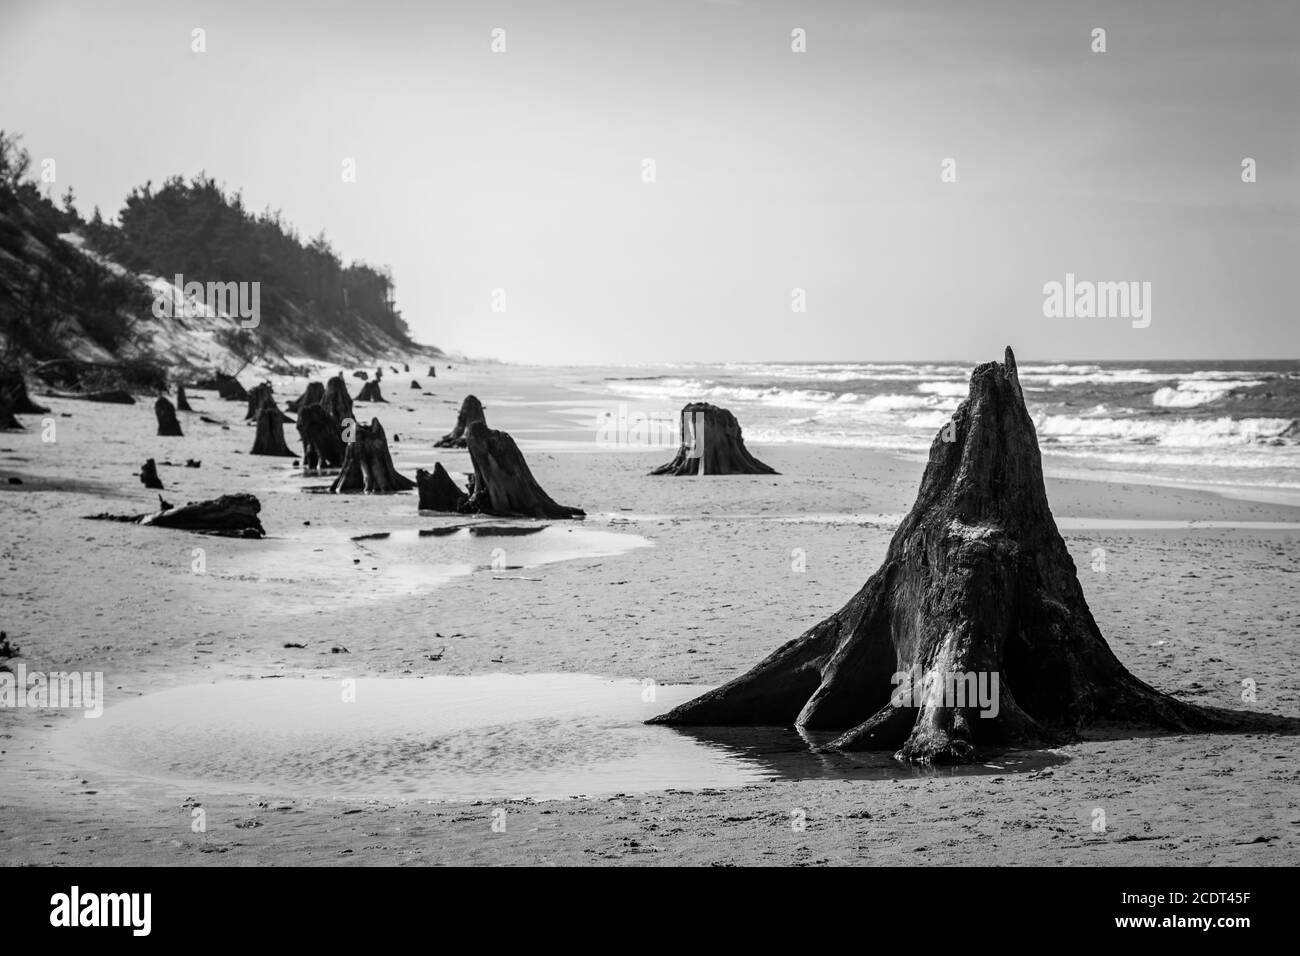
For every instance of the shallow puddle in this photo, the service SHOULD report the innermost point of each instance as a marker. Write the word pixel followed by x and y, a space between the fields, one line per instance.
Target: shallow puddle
pixel 388 563
pixel 540 736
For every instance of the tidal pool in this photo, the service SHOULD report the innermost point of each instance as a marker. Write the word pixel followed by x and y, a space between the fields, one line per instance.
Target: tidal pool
pixel 497 736
pixel 392 563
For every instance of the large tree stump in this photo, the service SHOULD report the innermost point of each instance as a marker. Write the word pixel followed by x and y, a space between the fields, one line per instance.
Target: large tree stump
pixel 502 485
pixel 231 516
pixel 13 393
pixel 337 402
pixel 438 490
pixel 168 426
pixel 370 392
pixel 368 465
pixel 149 475
pixel 262 396
pixel 182 402
pixel 313 395
pixel 270 432
pixel 712 435
pixel 322 439
pixel 471 410
pixel 977 586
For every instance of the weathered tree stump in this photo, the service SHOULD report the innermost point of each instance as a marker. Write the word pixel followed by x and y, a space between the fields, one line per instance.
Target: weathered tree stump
pixel 7 420
pixel 976 581
pixel 503 486
pixel 227 386
pixel 168 426
pixel 438 490
pixel 13 393
pixel 406 366
pixel 322 439
pixel 370 392
pixel 415 384
pixel 433 372
pixel 471 410
pixel 231 516
pixel 368 465
pixel 182 402
pixel 712 435
pixel 149 475
pixel 337 402
pixel 258 396
pixel 313 395
pixel 270 432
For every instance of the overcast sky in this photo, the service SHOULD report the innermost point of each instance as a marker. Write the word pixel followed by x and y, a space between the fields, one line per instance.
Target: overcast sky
pixel 523 171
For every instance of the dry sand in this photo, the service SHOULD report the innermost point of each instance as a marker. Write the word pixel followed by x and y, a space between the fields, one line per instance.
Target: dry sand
pixel 1191 610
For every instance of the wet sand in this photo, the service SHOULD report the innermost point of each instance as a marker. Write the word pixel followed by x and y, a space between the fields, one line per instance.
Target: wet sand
pixel 1191 607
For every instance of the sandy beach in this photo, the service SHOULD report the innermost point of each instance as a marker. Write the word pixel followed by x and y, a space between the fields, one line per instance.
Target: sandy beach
pixel 1194 593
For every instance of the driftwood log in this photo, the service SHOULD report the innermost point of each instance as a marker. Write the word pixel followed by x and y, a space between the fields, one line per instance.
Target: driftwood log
pixel 168 426
pixel 977 583
pixel 711 436
pixel 438 490
pixel 502 485
pixel 231 516
pixel 314 394
pixel 182 402
pixel 112 396
pixel 471 410
pixel 270 432
pixel 370 392
pixel 149 475
pixel 322 439
pixel 337 402
pixel 368 465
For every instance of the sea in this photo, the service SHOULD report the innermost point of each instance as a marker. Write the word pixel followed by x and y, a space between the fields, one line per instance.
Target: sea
pixel 1202 423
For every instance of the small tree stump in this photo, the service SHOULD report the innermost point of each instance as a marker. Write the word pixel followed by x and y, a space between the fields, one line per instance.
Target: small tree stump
pixel 370 392
pixel 337 402
pixel 182 402
pixel 313 395
pixel 406 366
pixel 438 490
pixel 364 376
pixel 471 410
pixel 168 426
pixel 712 435
pixel 368 465
pixel 270 432
pixel 13 393
pixel 227 386
pixel 149 475
pixel 322 439
pixel 503 486
pixel 433 372
pixel 415 384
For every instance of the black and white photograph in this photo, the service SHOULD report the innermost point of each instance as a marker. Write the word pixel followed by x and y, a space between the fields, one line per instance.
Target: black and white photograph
pixel 651 433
